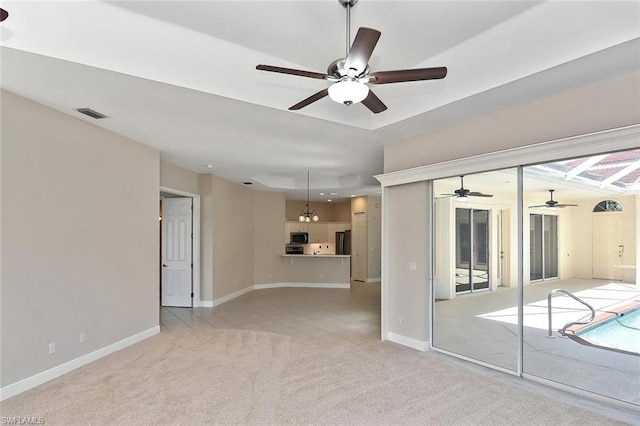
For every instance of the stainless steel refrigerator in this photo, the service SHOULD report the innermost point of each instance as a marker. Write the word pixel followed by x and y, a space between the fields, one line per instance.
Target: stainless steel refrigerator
pixel 343 242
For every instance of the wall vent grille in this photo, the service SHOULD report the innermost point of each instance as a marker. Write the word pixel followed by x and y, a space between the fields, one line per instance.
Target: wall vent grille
pixel 91 113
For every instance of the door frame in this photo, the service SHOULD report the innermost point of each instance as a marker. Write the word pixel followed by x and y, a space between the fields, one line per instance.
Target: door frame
pixel 196 302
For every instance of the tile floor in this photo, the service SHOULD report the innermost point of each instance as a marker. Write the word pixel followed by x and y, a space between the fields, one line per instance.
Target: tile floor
pixel 289 311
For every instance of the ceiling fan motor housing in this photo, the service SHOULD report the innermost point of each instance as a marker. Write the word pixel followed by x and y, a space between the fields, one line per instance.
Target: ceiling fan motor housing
pixel 346 3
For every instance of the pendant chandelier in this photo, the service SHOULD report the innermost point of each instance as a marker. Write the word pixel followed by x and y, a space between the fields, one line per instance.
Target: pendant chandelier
pixel 308 215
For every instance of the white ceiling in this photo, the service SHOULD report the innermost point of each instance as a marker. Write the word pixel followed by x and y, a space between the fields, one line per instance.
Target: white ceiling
pixel 180 75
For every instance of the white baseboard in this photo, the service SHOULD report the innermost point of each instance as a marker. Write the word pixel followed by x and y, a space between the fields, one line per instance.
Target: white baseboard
pixel 40 378
pixel 408 341
pixel 233 295
pixel 301 285
pixel 216 302
pixel 374 280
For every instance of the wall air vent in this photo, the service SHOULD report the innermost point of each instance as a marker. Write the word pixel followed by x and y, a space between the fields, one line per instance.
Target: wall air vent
pixel 91 113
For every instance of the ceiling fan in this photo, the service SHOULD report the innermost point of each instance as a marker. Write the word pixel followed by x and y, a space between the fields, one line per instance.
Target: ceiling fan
pixel 553 204
pixel 463 193
pixel 350 75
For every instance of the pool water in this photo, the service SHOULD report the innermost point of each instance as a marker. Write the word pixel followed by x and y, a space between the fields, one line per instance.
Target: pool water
pixel 621 332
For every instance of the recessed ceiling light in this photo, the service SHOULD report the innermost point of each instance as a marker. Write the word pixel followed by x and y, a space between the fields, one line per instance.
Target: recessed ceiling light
pixel 322 193
pixel 209 166
pixel 353 195
pixel 333 193
pixel 329 200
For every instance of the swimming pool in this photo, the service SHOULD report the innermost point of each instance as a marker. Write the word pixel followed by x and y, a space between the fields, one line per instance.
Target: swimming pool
pixel 621 332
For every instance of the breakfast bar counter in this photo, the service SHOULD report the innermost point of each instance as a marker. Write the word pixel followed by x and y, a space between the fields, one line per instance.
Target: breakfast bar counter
pixel 322 270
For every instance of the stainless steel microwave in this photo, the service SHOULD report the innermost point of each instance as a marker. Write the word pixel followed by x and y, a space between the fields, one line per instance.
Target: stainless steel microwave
pixel 299 238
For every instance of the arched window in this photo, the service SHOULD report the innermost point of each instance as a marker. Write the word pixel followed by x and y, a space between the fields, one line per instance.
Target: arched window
pixel 607 206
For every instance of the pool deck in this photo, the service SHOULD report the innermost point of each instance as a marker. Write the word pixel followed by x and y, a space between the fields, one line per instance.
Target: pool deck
pixel 483 326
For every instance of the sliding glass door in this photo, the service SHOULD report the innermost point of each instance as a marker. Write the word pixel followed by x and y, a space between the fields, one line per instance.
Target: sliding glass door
pixel 578 218
pixel 543 247
pixel 472 250
pixel 475 309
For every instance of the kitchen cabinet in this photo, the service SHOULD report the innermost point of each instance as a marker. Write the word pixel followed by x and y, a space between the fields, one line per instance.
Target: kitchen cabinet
pixel 322 232
pixel 319 232
pixel 313 232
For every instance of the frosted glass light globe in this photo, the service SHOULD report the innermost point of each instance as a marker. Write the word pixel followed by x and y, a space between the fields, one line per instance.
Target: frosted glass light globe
pixel 348 92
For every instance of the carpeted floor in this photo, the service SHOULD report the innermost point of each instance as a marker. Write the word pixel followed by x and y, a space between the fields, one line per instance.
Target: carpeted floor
pixel 226 376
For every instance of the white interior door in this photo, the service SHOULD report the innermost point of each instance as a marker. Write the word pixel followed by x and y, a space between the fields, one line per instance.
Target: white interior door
pixel 176 252
pixel 608 248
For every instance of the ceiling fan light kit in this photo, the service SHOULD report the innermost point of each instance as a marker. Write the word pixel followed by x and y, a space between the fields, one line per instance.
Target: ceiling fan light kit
pixel 350 75
pixel 348 92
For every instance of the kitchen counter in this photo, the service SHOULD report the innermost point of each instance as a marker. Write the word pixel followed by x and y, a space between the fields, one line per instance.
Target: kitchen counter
pixel 332 270
pixel 317 255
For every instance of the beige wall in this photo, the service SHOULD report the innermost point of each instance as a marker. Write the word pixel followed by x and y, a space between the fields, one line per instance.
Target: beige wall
pixel 227 236
pixel 205 184
pixel 267 244
pixel 606 105
pixel 374 238
pixel 407 291
pixel 174 177
pixel 372 251
pixel 328 212
pixel 79 238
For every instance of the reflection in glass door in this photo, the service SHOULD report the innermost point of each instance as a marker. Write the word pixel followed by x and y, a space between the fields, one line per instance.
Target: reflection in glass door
pixel 543 246
pixel 472 250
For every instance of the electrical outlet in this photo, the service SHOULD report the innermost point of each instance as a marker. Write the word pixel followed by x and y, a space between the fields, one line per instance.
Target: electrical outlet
pixel 83 337
pixel 52 348
pixel 413 266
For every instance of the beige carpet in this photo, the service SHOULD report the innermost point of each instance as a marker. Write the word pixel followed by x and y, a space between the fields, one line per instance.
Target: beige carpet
pixel 249 377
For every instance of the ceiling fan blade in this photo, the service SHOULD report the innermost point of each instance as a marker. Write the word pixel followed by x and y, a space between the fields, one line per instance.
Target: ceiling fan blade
pixel 311 99
pixel 374 103
pixel 361 49
pixel 538 206
pixel 399 76
pixel 292 71
pixel 566 205
pixel 479 194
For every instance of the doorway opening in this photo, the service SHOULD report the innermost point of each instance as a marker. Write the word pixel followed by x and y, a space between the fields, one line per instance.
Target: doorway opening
pixel 179 249
pixel 608 241
pixel 472 250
